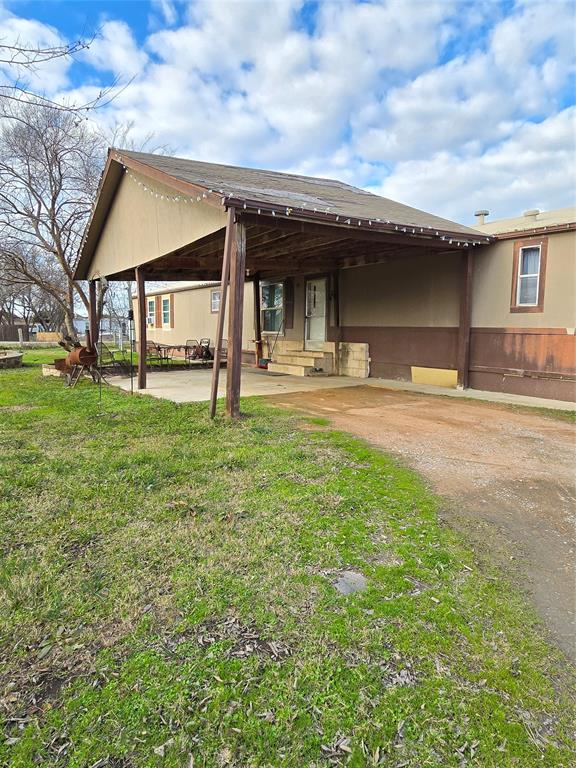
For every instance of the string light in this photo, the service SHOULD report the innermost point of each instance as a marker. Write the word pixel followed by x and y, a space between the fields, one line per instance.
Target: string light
pixel 186 199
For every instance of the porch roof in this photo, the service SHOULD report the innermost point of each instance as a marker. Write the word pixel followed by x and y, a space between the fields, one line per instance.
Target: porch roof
pixel 292 222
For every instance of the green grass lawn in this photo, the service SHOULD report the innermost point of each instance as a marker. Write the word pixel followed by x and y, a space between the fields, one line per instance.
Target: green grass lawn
pixel 167 599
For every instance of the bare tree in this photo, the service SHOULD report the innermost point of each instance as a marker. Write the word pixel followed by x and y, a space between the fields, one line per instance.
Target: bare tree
pixel 50 163
pixel 30 302
pixel 18 61
pixel 122 135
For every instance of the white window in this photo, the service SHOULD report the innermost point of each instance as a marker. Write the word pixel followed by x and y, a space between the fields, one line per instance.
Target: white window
pixel 272 306
pixel 215 301
pixel 528 276
pixel 150 311
pixel 165 311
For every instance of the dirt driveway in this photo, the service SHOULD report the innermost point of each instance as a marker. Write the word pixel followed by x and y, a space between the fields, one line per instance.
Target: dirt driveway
pixel 508 478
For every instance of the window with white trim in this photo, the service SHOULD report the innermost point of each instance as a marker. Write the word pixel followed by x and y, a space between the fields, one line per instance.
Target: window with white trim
pixel 166 311
pixel 528 276
pixel 151 311
pixel 215 300
pixel 272 306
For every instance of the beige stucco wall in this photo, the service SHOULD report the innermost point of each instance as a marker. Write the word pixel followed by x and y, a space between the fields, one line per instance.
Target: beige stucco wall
pixel 141 227
pixel 415 291
pixel 492 287
pixel 194 320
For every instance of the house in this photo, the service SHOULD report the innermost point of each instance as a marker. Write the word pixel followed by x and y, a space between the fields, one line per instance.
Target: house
pixel 524 306
pixel 189 310
pixel 344 281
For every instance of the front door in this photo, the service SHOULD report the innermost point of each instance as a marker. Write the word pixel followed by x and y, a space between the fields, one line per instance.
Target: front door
pixel 315 332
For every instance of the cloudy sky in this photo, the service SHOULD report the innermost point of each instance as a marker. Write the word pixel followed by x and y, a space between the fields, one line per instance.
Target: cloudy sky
pixel 449 106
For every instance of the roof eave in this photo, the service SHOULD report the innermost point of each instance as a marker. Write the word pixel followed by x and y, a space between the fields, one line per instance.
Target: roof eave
pixel 267 210
pixel 116 165
pixel 107 187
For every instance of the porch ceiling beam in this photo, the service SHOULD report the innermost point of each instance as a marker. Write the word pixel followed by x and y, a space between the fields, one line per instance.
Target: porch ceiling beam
pixel 313 257
pixel 305 260
pixel 340 248
pixel 186 274
pixel 213 243
pixel 266 238
pixel 298 246
pixel 357 233
pixel 300 266
pixel 328 255
pixel 213 247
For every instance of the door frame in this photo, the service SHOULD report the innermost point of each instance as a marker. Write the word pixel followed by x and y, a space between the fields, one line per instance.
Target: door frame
pixel 307 279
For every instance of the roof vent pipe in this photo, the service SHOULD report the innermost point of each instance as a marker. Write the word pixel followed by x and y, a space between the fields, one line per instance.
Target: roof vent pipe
pixel 532 213
pixel 481 216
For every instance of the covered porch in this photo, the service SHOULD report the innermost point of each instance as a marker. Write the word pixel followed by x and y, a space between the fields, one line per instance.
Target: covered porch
pixel 263 236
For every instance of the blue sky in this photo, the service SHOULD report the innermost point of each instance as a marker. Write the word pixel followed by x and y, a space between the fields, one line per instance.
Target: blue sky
pixel 446 105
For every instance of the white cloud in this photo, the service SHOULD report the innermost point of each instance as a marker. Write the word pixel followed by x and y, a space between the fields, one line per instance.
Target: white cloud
pixel 476 97
pixel 167 11
pixel 530 169
pixel 30 33
pixel 115 50
pixel 389 94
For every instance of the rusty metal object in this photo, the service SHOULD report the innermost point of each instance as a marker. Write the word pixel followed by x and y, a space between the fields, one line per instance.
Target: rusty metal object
pixel 78 356
pixel 82 356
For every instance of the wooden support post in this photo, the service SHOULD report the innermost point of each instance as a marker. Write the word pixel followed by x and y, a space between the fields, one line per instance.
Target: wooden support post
pixel 235 316
pixel 92 314
pixel 221 311
pixel 141 303
pixel 257 327
pixel 336 330
pixel 467 266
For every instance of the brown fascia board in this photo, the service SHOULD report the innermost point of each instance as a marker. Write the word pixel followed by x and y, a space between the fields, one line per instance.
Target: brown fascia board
pixel 267 210
pixel 518 234
pixel 107 189
pixel 155 174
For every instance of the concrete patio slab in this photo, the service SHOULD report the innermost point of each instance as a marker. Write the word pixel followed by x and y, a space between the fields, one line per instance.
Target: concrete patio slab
pixel 193 386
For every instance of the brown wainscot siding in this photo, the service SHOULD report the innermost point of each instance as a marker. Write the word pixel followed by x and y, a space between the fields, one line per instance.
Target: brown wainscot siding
pixel 540 362
pixel 394 350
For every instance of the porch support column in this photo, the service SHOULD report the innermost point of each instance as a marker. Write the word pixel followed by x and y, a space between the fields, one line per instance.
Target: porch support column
pixel 221 311
pixel 141 347
pixel 92 314
pixel 257 322
pixel 466 270
pixel 235 316
pixel 336 329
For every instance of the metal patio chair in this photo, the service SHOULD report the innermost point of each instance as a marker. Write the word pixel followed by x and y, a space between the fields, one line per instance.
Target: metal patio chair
pixel 153 354
pixel 191 351
pixel 115 360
